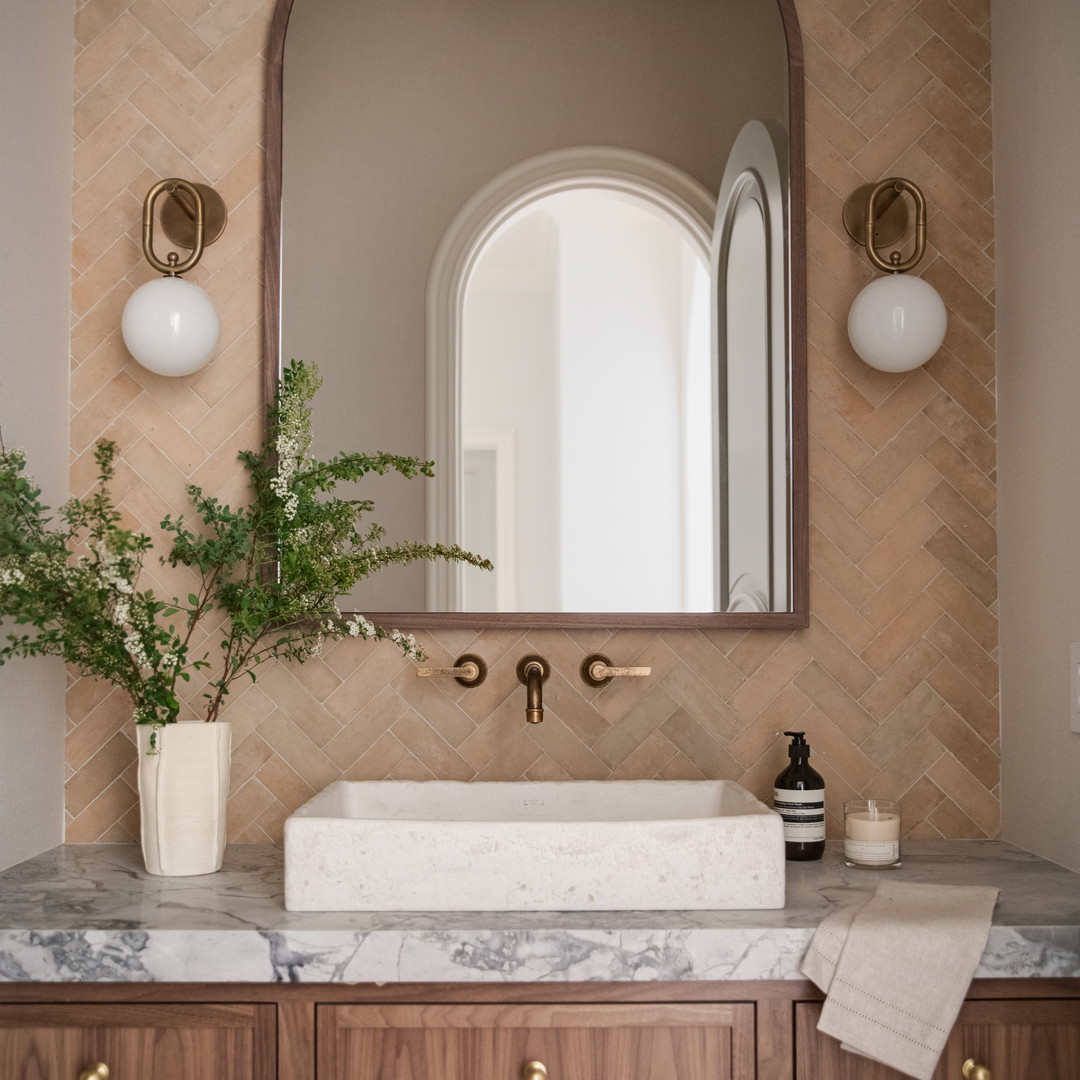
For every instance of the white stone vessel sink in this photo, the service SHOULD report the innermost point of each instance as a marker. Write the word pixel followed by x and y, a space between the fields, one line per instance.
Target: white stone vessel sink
pixel 568 846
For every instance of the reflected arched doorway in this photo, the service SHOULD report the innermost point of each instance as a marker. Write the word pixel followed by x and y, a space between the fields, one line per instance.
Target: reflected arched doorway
pixel 561 290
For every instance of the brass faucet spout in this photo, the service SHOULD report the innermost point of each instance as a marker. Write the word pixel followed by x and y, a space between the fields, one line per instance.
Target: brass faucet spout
pixel 532 671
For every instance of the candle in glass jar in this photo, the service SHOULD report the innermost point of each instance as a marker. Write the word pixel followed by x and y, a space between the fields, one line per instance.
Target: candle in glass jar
pixel 868 826
pixel 872 834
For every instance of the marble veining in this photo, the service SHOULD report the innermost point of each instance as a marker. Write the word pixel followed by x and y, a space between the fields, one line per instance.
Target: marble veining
pixel 85 913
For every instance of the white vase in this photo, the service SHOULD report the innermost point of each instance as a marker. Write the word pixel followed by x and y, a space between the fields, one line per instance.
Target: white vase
pixel 183 789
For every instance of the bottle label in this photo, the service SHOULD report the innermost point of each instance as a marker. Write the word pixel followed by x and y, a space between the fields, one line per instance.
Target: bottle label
pixel 803 813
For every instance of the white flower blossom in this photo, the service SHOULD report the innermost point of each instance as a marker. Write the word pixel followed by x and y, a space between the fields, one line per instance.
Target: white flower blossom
pixel 289 450
pixel 406 642
pixel 13 576
pixel 133 644
pixel 109 566
pixel 358 626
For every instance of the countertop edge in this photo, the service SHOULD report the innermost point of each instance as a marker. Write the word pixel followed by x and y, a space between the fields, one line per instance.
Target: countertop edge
pixel 468 956
pixel 90 913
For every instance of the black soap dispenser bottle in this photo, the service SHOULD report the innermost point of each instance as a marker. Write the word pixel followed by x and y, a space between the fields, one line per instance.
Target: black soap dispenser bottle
pixel 799 798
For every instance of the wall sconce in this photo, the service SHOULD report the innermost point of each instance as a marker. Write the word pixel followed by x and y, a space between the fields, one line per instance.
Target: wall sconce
pixel 170 325
pixel 896 323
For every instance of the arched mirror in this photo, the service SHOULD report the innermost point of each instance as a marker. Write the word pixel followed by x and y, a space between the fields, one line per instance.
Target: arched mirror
pixel 558 248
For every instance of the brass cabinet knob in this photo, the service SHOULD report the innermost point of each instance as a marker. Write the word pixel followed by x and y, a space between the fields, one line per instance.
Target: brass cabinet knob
pixel 98 1071
pixel 534 1070
pixel 974 1070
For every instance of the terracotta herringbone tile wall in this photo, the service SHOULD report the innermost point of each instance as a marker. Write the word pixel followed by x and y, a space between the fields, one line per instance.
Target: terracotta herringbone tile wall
pixel 896 677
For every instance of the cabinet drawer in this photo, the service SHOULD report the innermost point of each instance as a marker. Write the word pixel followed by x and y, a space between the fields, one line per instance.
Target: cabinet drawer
pixel 1014 1039
pixel 138 1042
pixel 574 1042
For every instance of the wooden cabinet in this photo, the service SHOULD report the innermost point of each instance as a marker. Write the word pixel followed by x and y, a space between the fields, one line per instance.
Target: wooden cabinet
pixel 1019 1029
pixel 1014 1039
pixel 155 1042
pixel 497 1042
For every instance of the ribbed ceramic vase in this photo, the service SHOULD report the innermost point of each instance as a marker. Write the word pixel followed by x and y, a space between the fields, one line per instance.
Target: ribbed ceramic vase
pixel 183 789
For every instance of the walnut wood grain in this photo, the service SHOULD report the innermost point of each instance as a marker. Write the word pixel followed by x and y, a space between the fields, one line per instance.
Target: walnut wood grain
pixel 296 1040
pixel 57 1042
pixel 787 990
pixel 1042 1015
pixel 1014 1039
pixel 462 1042
pixel 775 1039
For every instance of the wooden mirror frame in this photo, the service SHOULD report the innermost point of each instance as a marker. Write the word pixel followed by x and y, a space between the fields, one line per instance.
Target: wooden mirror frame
pixel 799 616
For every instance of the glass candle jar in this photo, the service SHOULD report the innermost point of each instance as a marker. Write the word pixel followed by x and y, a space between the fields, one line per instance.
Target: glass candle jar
pixel 872 834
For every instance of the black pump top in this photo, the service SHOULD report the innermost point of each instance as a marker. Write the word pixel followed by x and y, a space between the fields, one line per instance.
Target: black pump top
pixel 798 747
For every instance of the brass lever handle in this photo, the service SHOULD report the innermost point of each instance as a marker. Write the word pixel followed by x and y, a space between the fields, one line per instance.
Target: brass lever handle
pixel 974 1070
pixel 534 1070
pixel 470 671
pixel 596 670
pixel 97 1071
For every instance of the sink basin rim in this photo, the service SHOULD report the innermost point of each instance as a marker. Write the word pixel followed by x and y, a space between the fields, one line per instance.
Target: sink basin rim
pixel 731 859
pixel 546 802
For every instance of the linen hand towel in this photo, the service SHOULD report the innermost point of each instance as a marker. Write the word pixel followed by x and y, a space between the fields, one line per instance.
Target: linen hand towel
pixel 895 969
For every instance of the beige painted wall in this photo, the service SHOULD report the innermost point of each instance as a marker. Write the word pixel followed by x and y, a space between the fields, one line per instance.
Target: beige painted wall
pixel 35 169
pixel 895 679
pixel 1036 75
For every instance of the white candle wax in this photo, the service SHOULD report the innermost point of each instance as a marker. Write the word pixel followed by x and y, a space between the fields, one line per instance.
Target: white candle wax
pixel 864 825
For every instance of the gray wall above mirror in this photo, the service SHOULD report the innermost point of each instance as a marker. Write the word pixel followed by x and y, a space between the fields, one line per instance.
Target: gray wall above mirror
pixel 400 119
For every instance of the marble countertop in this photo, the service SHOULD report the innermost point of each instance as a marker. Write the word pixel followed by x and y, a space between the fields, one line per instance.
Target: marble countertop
pixel 91 913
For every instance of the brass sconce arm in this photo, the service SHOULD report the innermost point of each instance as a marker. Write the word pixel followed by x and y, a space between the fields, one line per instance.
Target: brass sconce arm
pixel 877 214
pixel 893 265
pixel 172 266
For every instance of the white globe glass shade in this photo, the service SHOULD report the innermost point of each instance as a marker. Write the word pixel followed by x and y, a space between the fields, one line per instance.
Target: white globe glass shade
pixel 170 326
pixel 897 322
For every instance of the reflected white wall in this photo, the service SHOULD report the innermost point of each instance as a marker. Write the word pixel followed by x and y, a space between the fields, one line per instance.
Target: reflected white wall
pixel 565 323
pixel 508 383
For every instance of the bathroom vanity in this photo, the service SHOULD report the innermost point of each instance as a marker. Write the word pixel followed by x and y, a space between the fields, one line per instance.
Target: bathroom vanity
pixel 211 977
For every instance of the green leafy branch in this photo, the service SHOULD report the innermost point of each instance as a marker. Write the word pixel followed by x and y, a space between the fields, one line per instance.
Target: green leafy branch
pixel 76 586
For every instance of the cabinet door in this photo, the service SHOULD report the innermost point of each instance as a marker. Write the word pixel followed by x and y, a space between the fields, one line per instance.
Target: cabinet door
pixel 138 1042
pixel 1015 1040
pixel 573 1042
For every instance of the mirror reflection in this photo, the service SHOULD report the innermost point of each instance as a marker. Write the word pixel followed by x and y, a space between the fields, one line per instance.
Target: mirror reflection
pixel 546 245
pixel 577 303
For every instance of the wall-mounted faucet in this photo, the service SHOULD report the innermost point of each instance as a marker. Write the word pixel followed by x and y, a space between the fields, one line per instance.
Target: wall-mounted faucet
pixel 596 670
pixel 533 671
pixel 470 670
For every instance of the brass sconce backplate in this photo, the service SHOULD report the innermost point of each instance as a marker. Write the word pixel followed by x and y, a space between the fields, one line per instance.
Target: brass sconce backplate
pixel 890 216
pixel 178 216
